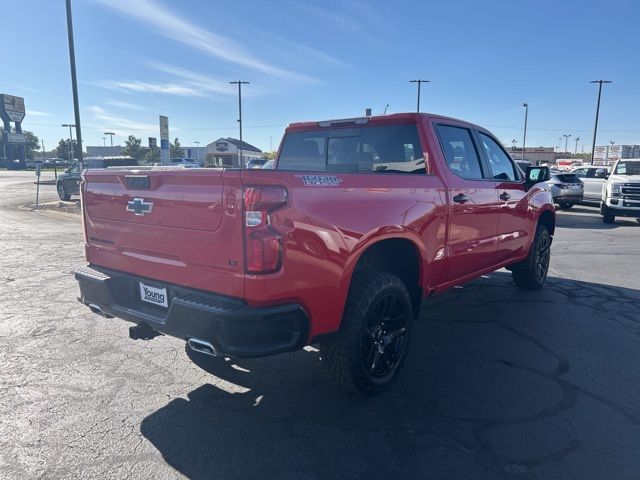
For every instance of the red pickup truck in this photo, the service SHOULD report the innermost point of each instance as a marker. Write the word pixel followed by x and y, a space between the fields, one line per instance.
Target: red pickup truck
pixel 359 221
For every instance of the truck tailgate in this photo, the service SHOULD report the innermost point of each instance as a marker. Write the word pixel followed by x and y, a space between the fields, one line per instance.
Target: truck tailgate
pixel 172 225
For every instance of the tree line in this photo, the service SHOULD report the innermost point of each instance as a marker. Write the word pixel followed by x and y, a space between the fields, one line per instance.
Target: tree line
pixel 132 147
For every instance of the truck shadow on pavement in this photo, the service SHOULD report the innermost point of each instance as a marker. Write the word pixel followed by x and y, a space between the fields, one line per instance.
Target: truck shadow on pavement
pixel 499 383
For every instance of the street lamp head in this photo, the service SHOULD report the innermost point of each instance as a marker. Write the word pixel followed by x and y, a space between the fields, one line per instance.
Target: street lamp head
pixel 525 105
pixel 600 81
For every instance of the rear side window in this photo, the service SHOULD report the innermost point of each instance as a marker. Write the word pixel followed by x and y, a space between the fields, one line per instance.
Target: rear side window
pixel 459 151
pixel 502 168
pixel 568 178
pixel 383 149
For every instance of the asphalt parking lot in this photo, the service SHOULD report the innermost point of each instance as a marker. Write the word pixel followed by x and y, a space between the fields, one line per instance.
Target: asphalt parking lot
pixel 499 383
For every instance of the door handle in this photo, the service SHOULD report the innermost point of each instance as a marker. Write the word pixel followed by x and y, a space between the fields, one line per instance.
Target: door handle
pixel 505 196
pixel 461 198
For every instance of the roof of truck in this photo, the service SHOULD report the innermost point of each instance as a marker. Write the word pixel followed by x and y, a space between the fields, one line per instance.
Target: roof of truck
pixel 407 117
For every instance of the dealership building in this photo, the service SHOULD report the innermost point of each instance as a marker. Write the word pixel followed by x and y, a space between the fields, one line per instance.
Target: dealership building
pixel 535 155
pixel 226 152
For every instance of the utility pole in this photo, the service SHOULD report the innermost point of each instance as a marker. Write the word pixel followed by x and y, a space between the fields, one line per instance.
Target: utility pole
pixel 385 109
pixel 74 82
pixel 104 141
pixel 575 152
pixel 111 134
pixel 595 128
pixel 524 136
pixel 419 82
pixel 559 144
pixel 70 125
pixel 566 139
pixel 240 83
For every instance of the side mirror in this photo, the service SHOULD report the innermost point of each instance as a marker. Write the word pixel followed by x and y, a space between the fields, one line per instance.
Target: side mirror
pixel 66 170
pixel 536 175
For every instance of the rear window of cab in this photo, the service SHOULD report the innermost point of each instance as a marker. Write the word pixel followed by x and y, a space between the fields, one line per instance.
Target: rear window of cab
pixel 375 149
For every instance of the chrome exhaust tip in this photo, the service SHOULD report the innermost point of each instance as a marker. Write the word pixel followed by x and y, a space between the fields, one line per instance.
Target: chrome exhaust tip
pixel 98 310
pixel 202 346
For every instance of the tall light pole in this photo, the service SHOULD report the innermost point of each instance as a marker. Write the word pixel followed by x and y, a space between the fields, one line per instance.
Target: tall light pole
pixel 566 139
pixel 74 81
pixel 197 152
pixel 104 141
pixel 513 145
pixel 559 144
pixel 70 125
pixel 240 83
pixel 524 136
pixel 595 128
pixel 575 152
pixel 419 82
pixel 111 134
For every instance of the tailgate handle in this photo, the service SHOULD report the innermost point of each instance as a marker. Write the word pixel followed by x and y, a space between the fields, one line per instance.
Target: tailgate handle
pixel 137 181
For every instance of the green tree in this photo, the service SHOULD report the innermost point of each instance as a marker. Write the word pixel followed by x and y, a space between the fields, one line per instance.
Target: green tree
pixel 175 150
pixel 63 148
pixel 269 155
pixel 133 148
pixel 152 156
pixel 32 143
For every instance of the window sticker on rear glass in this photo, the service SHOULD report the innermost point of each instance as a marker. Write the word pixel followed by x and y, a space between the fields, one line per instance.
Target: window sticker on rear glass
pixel 320 180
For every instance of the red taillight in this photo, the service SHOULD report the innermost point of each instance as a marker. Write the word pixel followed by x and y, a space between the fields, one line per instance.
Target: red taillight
pixel 263 245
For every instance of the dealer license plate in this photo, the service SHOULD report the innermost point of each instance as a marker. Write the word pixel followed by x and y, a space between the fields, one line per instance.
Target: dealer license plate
pixel 576 187
pixel 156 296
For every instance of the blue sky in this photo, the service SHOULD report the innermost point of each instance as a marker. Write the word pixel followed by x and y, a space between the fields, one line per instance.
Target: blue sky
pixel 313 60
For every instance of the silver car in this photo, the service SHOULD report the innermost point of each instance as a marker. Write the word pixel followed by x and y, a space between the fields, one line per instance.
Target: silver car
pixel 566 188
pixel 593 178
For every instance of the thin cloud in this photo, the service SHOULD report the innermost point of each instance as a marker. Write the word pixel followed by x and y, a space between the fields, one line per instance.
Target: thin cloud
pixel 147 87
pixel 119 123
pixel 172 26
pixel 125 105
pixel 206 84
pixel 36 113
pixel 197 81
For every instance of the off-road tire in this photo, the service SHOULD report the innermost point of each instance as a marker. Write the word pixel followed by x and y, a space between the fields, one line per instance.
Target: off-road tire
pixel 62 193
pixel 531 274
pixel 343 355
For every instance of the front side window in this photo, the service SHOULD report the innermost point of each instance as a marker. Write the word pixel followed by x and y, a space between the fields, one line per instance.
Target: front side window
pixel 580 172
pixel 459 151
pixel 628 168
pixel 75 168
pixel 502 167
pixel 379 149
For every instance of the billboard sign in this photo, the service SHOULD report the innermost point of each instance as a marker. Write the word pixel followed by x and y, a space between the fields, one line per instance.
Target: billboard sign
pixel 164 140
pixel 615 153
pixel 13 137
pixel 12 108
pixel 600 153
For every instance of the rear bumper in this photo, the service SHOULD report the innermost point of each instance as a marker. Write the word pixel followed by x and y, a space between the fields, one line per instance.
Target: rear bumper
pixel 230 325
pixel 568 198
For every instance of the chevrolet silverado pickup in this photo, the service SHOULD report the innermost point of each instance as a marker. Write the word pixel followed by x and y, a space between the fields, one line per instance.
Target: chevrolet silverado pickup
pixel 359 220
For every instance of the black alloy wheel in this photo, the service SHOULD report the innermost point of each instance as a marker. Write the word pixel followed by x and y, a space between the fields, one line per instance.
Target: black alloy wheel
pixel 384 337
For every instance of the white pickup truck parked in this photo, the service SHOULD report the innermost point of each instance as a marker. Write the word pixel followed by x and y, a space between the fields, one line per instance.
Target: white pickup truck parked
pixel 621 191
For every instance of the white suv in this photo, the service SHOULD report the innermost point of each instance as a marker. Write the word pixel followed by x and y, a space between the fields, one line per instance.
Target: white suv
pixel 621 191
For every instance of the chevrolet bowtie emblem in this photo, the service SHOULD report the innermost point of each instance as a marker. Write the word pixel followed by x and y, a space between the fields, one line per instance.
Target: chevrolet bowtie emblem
pixel 139 206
